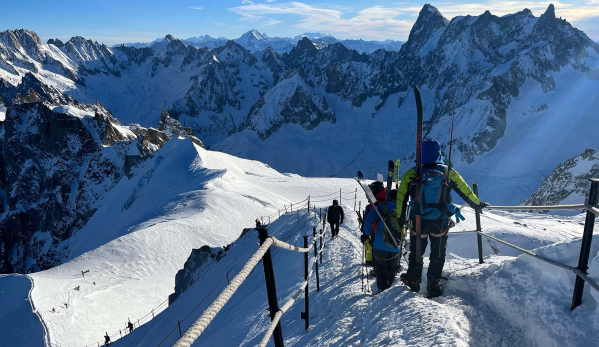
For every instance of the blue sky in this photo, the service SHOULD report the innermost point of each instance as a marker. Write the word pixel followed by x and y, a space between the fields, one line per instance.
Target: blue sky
pixel 111 21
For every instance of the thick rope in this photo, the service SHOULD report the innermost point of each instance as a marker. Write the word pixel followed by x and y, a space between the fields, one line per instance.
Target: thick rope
pixel 273 324
pixel 285 245
pixel 202 322
pixel 541 208
pixel 592 209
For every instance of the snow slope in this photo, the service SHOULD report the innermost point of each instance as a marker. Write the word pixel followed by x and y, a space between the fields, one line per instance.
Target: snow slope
pixel 184 197
pixel 19 325
pixel 507 301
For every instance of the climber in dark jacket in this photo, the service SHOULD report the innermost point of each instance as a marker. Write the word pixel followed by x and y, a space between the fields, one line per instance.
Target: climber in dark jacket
pixel 384 257
pixel 335 217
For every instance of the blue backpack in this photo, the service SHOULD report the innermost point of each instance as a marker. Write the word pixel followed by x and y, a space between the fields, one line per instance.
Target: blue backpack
pixel 431 195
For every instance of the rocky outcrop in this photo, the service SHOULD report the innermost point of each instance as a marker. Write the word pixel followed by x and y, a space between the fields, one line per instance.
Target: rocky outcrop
pixel 172 127
pixel 569 182
pixel 199 260
pixel 56 163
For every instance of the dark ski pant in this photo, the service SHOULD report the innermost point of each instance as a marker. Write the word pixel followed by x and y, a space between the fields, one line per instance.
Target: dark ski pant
pixel 386 265
pixel 430 229
pixel 334 228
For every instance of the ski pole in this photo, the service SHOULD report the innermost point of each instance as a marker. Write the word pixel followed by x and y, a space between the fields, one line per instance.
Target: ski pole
pixel 363 265
pixel 367 284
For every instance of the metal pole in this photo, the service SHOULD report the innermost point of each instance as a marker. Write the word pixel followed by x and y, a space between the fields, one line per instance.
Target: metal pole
pixel 178 322
pixel 355 198
pixel 316 258
pixel 321 238
pixel 479 238
pixel 228 282
pixel 585 248
pixel 308 203
pixel 320 214
pixel 271 289
pixel 306 314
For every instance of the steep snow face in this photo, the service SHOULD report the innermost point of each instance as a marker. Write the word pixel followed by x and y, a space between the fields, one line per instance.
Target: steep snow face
pixel 569 182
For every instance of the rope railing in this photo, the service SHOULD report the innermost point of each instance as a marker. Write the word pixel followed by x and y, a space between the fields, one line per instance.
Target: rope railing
pixel 276 319
pixel 538 208
pixel 592 209
pixel 581 275
pixel 209 313
pixel 202 322
pixel 281 244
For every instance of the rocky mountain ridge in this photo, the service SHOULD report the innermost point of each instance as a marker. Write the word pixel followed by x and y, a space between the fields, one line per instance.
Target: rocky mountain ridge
pixel 56 164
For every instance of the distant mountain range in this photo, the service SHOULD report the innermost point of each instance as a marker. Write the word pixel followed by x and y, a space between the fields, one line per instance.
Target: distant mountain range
pixel 256 41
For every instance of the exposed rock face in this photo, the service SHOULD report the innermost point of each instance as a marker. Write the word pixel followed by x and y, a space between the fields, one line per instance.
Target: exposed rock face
pixel 569 183
pixel 291 101
pixel 200 259
pixel 172 127
pixel 55 164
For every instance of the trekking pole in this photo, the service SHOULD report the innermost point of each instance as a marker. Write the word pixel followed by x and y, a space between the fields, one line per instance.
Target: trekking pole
pixel 366 268
pixel 363 265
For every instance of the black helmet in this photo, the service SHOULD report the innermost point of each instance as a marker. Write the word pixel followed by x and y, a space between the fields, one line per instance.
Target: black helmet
pixel 335 202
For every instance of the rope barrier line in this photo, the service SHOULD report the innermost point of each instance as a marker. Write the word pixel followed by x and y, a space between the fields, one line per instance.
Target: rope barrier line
pixel 281 244
pixel 271 328
pixel 541 208
pixel 576 270
pixel 592 209
pixel 202 322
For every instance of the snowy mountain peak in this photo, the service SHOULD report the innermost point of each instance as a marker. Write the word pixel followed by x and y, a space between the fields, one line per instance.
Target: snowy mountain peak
pixel 169 38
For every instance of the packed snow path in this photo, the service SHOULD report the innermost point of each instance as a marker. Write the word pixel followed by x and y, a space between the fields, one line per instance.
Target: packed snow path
pixel 343 315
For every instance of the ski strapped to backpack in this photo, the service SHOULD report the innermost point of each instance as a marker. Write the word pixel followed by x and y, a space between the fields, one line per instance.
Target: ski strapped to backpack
pixel 419 115
pixel 361 181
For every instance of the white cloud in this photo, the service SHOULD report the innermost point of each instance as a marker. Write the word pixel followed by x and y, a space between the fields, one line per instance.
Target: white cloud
pixel 373 22
pixel 196 7
pixel 271 22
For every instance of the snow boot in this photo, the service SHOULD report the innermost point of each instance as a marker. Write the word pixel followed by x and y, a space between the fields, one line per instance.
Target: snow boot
pixel 433 288
pixel 413 285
